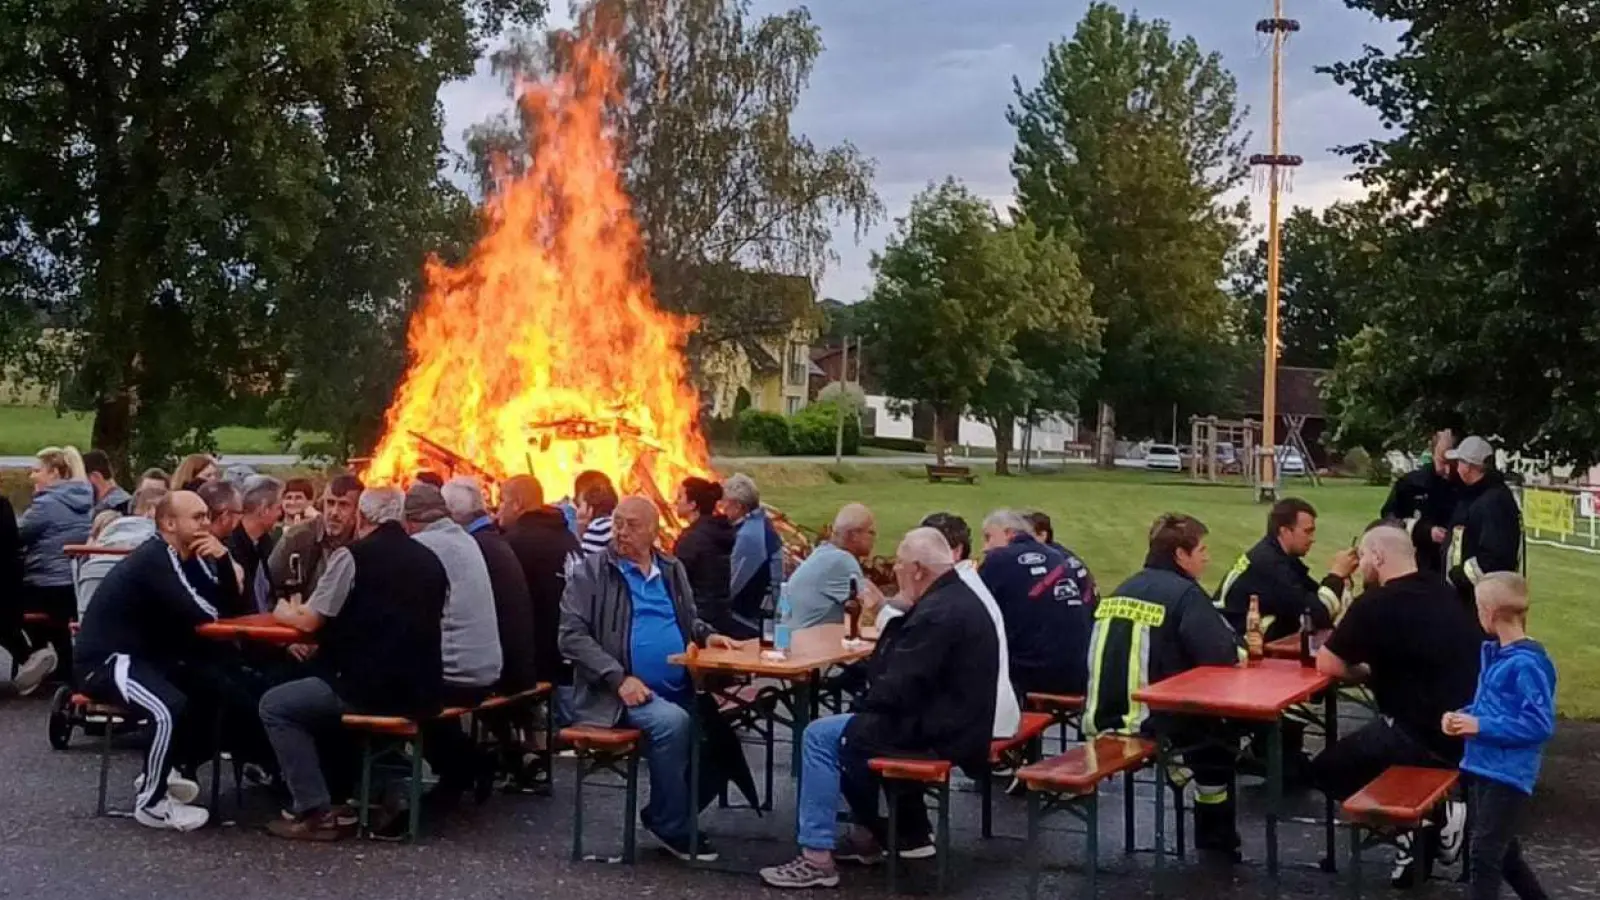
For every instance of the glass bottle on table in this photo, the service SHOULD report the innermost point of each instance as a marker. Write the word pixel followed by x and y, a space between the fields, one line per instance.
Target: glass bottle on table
pixel 852 611
pixel 782 630
pixel 1255 642
pixel 1308 641
pixel 769 619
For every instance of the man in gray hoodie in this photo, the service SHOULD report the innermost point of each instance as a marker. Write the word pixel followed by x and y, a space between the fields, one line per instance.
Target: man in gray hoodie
pixel 124 533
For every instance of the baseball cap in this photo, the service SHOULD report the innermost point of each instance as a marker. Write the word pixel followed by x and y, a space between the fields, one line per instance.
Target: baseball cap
pixel 1474 451
pixel 425 504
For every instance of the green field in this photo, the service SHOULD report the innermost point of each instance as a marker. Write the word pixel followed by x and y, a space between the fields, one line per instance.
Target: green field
pixel 25 429
pixel 1104 516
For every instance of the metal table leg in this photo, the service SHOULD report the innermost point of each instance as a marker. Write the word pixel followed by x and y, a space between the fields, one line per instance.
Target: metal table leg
pixel 1274 793
pixel 694 778
pixel 1330 715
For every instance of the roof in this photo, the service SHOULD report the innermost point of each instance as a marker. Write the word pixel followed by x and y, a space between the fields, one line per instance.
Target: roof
pixel 1299 392
pixel 761 360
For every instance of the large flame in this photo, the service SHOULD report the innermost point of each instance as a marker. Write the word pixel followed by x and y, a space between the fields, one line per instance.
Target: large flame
pixel 545 352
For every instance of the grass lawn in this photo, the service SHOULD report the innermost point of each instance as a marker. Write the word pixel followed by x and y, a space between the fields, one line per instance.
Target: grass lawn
pixel 25 429
pixel 1104 516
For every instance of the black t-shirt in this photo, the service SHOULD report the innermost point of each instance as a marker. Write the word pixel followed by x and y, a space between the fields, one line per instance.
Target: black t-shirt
pixel 1422 647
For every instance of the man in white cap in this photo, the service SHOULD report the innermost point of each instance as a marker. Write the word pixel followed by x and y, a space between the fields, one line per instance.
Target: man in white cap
pixel 1486 531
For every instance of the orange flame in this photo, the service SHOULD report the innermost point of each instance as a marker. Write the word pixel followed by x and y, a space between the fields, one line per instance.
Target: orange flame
pixel 545 352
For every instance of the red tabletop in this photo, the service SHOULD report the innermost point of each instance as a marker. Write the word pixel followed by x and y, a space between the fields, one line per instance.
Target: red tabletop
pixel 261 627
pixel 1260 693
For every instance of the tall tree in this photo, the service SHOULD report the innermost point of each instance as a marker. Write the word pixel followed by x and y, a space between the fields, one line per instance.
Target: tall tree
pixel 1129 143
pixel 181 184
pixel 1054 343
pixel 940 312
pixel 1329 263
pixel 720 181
pixel 1490 185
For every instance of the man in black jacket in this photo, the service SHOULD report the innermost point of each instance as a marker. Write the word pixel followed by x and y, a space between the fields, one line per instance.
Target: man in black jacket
pixel 706 550
pixel 931 695
pixel 541 541
pixel 1425 499
pixel 250 545
pixel 1274 571
pixel 1486 531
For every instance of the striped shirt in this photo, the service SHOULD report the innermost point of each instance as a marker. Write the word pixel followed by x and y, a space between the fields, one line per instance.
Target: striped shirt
pixel 597 535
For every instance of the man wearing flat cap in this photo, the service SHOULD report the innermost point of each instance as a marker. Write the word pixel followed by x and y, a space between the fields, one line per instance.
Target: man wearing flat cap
pixel 1486 531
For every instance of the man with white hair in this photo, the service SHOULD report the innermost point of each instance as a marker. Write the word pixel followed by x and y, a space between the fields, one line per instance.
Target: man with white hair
pixel 250 544
pixel 1412 642
pixel 930 695
pixel 1047 598
pixel 377 614
pixel 820 585
pixel 757 562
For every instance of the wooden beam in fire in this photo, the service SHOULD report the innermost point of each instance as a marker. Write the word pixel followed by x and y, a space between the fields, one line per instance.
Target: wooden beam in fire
pixel 454 463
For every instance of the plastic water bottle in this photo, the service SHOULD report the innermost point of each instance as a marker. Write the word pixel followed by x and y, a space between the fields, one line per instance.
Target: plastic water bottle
pixel 782 633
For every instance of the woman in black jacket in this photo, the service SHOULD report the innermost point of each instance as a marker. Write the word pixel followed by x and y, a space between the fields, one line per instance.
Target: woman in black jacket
pixel 705 548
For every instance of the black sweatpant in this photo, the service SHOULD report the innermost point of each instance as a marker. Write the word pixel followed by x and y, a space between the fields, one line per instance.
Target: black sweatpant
pixel 1364 754
pixel 861 786
pixel 447 747
pixel 1496 852
pixel 144 686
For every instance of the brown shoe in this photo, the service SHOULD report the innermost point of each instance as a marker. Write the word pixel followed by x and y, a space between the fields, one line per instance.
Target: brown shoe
pixel 317 826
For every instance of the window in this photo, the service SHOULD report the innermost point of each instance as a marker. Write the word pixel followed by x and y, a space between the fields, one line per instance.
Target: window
pixel 791 405
pixel 798 358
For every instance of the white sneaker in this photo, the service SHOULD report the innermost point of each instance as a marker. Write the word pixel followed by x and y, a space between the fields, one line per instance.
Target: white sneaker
pixel 179 788
pixel 1452 831
pixel 34 670
pixel 172 816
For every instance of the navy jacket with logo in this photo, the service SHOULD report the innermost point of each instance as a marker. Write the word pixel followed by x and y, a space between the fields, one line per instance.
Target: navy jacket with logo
pixel 1046 597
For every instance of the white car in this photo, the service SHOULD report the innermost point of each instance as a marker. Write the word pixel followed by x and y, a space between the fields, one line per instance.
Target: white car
pixel 1290 462
pixel 1163 458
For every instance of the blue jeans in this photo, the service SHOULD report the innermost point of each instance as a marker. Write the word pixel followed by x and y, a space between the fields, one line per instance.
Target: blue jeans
pixel 666 728
pixel 818 807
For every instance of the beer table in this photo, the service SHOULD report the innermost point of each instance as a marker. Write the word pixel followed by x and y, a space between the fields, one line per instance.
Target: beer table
pixel 1288 646
pixel 1258 695
pixel 811 652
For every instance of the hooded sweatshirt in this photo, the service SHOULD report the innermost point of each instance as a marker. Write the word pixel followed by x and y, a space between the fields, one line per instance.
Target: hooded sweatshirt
pixel 117 499
pixel 1515 707
pixel 59 516
pixel 129 532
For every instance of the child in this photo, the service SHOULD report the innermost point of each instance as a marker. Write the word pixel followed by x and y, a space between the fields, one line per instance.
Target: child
pixel 1506 727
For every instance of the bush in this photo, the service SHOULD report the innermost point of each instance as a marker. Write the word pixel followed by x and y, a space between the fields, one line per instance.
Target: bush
pixel 902 445
pixel 766 430
pixel 815 428
pixel 1355 461
pixel 1373 467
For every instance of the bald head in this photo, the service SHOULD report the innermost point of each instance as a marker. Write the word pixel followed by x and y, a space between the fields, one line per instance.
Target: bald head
pixel 854 530
pixel 633 529
pixel 182 518
pixel 1386 553
pixel 518 495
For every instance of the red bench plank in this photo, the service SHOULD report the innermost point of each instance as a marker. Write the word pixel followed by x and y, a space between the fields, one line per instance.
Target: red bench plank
pixel 398 726
pixel 593 737
pixel 1033 724
pixel 1080 769
pixel 1056 703
pixel 1402 795
pixel 929 771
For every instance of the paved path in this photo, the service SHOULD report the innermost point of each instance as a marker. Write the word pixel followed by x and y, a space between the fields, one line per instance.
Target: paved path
pixel 517 847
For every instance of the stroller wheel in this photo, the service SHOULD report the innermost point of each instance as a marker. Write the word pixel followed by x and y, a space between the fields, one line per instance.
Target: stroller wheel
pixel 59 726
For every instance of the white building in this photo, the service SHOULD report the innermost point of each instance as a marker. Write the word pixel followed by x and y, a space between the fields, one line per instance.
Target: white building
pixel 880 419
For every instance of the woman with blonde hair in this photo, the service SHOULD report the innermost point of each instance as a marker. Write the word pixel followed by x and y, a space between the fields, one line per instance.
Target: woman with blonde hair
pixel 195 470
pixel 59 515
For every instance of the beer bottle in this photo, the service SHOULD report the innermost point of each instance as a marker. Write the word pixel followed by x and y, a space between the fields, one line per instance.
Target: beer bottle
pixel 1308 652
pixel 852 611
pixel 1255 642
pixel 769 618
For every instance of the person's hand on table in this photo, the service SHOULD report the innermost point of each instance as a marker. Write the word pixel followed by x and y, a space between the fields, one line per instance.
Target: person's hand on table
pixel 871 597
pixel 208 547
pixel 723 642
pixel 1345 563
pixel 633 692
pixel 302 652
pixel 1459 724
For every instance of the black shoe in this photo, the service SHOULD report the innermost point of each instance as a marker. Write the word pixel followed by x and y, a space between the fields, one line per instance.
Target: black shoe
pixel 703 851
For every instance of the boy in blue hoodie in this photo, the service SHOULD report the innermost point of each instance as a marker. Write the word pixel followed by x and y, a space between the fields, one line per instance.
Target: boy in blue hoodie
pixel 1506 727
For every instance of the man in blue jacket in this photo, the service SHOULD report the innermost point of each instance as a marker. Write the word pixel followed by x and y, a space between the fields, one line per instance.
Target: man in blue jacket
pixel 1047 598
pixel 1511 718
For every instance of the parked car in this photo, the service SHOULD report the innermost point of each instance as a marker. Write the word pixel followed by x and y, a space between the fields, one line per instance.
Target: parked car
pixel 1290 462
pixel 1163 458
pixel 1228 462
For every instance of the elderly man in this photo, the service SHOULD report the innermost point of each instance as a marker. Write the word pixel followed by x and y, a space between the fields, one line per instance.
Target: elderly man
pixel 124 533
pixel 757 563
pixel 377 614
pixel 250 545
pixel 132 645
pixel 1485 533
pixel 1410 639
pixel 930 694
pixel 546 548
pixel 819 587
pixel 625 611
pixel 513 608
pixel 1047 597
pixel 314 541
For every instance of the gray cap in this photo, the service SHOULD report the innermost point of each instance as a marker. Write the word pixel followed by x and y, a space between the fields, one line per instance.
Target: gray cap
pixel 425 504
pixel 1474 451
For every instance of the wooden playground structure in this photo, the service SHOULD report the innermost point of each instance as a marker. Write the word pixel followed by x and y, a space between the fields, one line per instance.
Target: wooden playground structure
pixel 1212 437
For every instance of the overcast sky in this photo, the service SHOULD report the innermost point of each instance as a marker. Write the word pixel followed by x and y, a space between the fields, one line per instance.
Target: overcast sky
pixel 922 86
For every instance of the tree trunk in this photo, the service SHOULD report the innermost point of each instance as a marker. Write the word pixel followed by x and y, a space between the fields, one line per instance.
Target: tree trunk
pixel 1106 442
pixel 113 432
pixel 1003 427
pixel 939 448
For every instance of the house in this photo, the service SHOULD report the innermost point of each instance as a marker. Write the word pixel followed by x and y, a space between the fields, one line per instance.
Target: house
pixel 1299 396
pixel 773 371
pixel 888 418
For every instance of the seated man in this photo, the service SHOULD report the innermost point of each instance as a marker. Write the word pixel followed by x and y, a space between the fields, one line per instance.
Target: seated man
pixel 1408 637
pixel 212 569
pixel 757 561
pixel 513 606
pixel 931 694
pixel 545 547
pixel 314 541
pixel 250 545
pixel 1047 597
pixel 1274 571
pixel 1155 625
pixel 819 586
pixel 376 615
pixel 126 533
pixel 133 640
pixel 627 609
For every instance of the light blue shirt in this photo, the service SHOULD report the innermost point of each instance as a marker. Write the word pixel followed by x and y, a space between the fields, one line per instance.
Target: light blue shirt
pixel 818 588
pixel 655 632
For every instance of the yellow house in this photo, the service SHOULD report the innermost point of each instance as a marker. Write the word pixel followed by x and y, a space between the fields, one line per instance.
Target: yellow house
pixel 774 370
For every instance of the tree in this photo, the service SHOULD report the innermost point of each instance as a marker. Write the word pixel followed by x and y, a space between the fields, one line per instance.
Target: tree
pixel 199 199
pixel 720 182
pixel 1127 147
pixel 1054 343
pixel 1329 262
pixel 939 314
pixel 1489 188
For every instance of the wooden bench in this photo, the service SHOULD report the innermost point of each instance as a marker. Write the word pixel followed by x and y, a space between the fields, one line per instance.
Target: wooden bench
pixel 1071 782
pixel 1395 803
pixel 1066 711
pixel 938 473
pixel 1014 752
pixel 83 708
pixel 601 750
